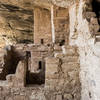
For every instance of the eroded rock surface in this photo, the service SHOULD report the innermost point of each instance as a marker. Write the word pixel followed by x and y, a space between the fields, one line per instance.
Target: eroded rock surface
pixel 16 24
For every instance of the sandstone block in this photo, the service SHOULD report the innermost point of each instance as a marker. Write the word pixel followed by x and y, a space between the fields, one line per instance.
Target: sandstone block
pixel 70 59
pixel 94 21
pixel 94 28
pixel 67 97
pixel 69 67
pixel 20 75
pixel 52 60
pixel 59 97
pixel 89 14
pixel 51 71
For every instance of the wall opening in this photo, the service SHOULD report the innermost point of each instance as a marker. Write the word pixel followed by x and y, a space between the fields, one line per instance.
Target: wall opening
pixel 42 41
pixel 10 64
pixel 62 43
pixel 36 78
pixel 40 65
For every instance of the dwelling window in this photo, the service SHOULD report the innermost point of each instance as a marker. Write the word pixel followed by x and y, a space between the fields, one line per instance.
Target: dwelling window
pixel 36 78
pixel 28 54
pixel 40 64
pixel 62 43
pixel 42 41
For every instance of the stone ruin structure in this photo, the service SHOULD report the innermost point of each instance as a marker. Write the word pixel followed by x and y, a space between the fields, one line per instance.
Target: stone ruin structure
pixel 63 63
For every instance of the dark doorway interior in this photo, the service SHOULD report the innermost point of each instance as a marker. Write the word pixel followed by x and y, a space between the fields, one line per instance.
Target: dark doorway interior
pixel 96 8
pixel 37 78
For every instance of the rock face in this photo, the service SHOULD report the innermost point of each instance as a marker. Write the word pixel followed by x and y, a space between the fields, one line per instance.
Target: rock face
pixel 16 24
pixel 63 63
pixel 86 37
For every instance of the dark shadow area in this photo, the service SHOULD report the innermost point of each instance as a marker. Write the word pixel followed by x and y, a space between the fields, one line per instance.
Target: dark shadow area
pixel 42 41
pixel 10 63
pixel 37 78
pixel 96 8
pixel 62 43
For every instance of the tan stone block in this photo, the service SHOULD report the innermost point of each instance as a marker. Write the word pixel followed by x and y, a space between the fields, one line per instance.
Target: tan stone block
pixel 10 77
pixel 59 97
pixel 89 14
pixel 20 75
pixel 52 60
pixel 51 67
pixel 94 21
pixel 57 48
pixel 94 28
pixel 18 97
pixel 69 67
pixel 70 59
pixel 51 75
pixel 51 71
pixel 59 55
pixel 67 97
pixel 73 74
pixel 51 84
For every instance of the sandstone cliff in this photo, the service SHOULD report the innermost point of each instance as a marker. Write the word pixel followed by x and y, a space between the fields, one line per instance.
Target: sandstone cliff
pixel 16 24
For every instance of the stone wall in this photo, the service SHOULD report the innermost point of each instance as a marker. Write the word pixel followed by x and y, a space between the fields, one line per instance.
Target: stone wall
pixel 61 24
pixel 62 74
pixel 60 78
pixel 42 26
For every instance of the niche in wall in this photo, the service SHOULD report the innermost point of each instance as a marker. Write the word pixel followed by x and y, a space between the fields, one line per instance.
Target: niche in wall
pixel 36 78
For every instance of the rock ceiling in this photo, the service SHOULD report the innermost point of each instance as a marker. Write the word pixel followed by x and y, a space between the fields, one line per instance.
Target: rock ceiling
pixel 42 3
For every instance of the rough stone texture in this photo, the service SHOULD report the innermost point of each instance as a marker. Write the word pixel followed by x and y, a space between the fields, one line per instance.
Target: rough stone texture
pixel 46 70
pixel 61 24
pixel 85 38
pixel 63 72
pixel 42 26
pixel 61 76
pixel 41 3
pixel 16 25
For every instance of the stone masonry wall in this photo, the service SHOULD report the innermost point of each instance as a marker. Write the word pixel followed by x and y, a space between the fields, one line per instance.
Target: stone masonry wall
pixel 61 24
pixel 62 74
pixel 42 26
pixel 61 78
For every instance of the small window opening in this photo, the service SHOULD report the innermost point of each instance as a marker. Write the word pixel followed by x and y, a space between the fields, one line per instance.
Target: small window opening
pixel 40 64
pixel 37 78
pixel 42 41
pixel 28 54
pixel 62 43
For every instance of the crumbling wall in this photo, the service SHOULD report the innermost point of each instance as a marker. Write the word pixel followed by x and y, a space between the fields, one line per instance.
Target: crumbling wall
pixel 61 24
pixel 62 63
pixel 82 33
pixel 62 75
